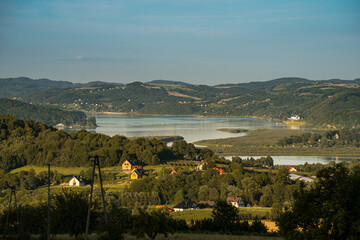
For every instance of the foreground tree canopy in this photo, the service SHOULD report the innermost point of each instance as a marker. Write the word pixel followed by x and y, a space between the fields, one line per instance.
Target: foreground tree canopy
pixel 330 210
pixel 30 142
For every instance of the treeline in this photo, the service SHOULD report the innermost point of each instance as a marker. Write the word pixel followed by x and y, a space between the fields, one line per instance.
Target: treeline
pixel 330 138
pixel 47 114
pixel 69 211
pixel 30 142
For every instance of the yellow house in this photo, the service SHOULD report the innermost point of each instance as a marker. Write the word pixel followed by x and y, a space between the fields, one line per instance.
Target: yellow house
pixel 127 166
pixel 135 174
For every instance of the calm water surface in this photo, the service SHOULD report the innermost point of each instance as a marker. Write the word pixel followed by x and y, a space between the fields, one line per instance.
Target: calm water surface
pixel 298 160
pixel 191 128
pixel 197 128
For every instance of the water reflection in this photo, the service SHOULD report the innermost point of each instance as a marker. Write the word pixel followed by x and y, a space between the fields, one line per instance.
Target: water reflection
pixel 191 128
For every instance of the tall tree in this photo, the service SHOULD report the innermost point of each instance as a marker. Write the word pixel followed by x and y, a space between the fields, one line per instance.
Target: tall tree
pixel 330 210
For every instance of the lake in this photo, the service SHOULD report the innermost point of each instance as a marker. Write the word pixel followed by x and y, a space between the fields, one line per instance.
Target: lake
pixel 197 128
pixel 191 128
pixel 298 160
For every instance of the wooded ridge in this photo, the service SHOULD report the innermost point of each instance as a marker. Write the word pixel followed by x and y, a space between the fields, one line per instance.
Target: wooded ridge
pixel 323 103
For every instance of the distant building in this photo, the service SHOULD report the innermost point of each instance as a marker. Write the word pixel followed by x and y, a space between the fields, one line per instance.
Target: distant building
pixel 294 118
pixel 220 170
pixel 169 209
pixel 127 165
pixel 301 178
pixel 292 169
pixel 76 181
pixel 173 171
pixel 201 166
pixel 136 173
pixel 185 205
pixel 235 201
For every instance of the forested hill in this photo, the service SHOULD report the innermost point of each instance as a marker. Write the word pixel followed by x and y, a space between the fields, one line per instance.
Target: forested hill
pixel 47 114
pixel 323 103
pixel 30 142
pixel 17 87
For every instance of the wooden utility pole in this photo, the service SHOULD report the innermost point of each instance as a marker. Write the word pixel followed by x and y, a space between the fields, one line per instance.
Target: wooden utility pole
pixel 48 208
pixel 13 192
pixel 96 162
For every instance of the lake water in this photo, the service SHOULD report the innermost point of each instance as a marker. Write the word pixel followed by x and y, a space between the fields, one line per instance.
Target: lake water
pixel 197 128
pixel 191 128
pixel 298 160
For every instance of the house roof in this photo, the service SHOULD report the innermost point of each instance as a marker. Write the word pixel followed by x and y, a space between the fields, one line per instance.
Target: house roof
pixel 79 178
pixel 130 161
pixel 234 199
pixel 186 204
pixel 136 171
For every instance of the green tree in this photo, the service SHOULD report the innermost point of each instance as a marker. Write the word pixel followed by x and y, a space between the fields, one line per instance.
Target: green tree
pixel 69 212
pixel 225 215
pixel 151 224
pixel 330 210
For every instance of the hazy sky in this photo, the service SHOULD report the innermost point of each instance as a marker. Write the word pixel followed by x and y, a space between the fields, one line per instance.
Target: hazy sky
pixel 196 41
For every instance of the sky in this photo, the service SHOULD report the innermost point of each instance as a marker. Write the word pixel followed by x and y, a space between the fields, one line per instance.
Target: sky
pixel 195 41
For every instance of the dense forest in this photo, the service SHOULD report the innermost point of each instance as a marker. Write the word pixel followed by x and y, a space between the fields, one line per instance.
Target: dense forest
pixel 47 114
pixel 30 142
pixel 323 103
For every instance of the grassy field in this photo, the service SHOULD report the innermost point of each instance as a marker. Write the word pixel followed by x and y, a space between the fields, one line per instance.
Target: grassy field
pixel 62 170
pixel 200 214
pixel 264 142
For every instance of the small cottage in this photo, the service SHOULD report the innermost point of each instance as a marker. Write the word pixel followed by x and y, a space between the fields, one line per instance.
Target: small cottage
pixel 162 207
pixel 76 181
pixel 201 166
pixel 291 169
pixel 185 205
pixel 220 170
pixel 135 174
pixel 235 201
pixel 127 166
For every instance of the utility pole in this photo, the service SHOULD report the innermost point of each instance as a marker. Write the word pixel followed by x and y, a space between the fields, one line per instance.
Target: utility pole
pixel 13 192
pixel 48 208
pixel 96 162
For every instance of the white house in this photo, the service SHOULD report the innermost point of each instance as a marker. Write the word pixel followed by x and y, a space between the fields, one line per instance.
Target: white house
pixel 294 118
pixel 76 181
pixel 185 205
pixel 235 201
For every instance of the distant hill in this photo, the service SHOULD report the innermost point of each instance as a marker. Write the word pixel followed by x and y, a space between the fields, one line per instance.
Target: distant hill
pixel 21 86
pixel 340 109
pixel 16 87
pixel 269 84
pixel 47 114
pixel 168 82
pixel 316 102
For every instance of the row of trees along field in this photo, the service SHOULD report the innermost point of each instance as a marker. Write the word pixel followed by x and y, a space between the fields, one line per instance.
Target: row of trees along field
pixel 68 216
pixel 330 138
